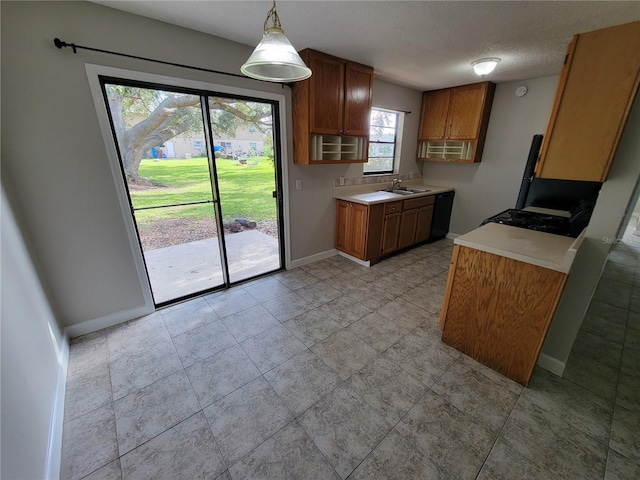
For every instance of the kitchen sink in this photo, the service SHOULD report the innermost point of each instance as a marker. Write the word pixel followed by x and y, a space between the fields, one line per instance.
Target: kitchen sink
pixel 418 190
pixel 407 191
pixel 402 192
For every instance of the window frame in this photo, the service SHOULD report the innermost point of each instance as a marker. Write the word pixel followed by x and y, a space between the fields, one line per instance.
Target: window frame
pixel 396 147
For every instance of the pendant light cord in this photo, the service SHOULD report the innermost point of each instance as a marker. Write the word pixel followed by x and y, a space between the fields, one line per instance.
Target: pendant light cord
pixel 273 15
pixel 62 44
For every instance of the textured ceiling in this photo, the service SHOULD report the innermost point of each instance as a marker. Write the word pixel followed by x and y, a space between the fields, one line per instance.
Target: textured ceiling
pixel 422 44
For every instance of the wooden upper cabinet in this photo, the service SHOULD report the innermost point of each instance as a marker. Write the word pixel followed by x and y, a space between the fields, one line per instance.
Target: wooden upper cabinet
pixel 453 123
pixel 597 87
pixel 326 102
pixel 357 99
pixel 465 111
pixel 339 96
pixel 334 102
pixel 433 118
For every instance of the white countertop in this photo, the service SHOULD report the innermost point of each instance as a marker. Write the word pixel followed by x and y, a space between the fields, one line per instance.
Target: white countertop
pixel 374 193
pixel 547 250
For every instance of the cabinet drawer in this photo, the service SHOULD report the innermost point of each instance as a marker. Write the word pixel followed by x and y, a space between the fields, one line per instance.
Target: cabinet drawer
pixel 392 207
pixel 419 202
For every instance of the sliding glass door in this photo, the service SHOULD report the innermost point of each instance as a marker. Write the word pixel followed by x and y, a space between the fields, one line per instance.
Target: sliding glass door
pixel 201 177
pixel 247 184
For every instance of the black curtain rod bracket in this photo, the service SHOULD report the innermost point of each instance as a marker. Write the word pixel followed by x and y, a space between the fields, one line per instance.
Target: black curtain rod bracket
pixel 61 44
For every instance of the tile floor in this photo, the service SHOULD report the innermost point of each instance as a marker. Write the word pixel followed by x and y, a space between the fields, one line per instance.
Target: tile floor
pixel 337 371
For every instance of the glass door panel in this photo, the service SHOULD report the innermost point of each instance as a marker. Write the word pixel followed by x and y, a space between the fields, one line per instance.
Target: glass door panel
pixel 180 249
pixel 246 172
pixel 163 155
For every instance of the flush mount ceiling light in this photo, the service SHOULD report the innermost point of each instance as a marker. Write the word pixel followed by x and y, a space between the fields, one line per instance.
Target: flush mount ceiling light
pixel 484 66
pixel 275 59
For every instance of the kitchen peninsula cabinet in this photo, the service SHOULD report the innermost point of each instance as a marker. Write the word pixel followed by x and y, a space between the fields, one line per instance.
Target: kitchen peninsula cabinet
pixel 331 111
pixel 597 86
pixel 502 291
pixel 453 123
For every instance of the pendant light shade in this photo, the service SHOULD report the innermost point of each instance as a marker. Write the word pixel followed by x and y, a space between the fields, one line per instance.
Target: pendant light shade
pixel 275 59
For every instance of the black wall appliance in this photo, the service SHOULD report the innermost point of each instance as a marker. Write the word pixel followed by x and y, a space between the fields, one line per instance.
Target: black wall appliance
pixel 549 193
pixel 441 215
pixel 575 197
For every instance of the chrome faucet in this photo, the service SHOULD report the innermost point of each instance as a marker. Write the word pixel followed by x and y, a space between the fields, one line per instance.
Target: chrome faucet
pixel 395 185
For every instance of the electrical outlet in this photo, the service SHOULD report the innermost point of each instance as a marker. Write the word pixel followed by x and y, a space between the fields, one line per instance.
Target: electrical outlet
pixel 341 181
pixel 298 184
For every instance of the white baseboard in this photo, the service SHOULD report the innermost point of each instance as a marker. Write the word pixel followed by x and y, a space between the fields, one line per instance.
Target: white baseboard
pixel 299 262
pixel 107 321
pixel 551 364
pixel 354 259
pixel 451 236
pixel 54 452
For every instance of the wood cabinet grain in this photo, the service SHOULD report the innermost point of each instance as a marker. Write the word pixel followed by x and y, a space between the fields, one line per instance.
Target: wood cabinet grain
pixel 497 310
pixel 433 117
pixel 597 86
pixel 390 226
pixel 453 123
pixel 331 111
pixel 352 228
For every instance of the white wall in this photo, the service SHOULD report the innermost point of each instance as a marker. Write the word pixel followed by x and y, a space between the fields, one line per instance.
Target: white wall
pixel 488 187
pixel 609 214
pixel 33 364
pixel 54 156
pixel 55 161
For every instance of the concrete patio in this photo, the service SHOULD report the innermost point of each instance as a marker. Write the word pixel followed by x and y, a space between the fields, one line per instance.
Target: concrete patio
pixel 192 267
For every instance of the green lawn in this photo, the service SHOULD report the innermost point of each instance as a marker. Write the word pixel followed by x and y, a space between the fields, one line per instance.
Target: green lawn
pixel 245 192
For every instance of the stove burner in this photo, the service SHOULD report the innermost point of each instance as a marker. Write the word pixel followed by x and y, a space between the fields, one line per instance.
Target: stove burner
pixel 533 221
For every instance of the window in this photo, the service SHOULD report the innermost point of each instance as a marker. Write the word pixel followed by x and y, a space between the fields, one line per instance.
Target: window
pixel 383 133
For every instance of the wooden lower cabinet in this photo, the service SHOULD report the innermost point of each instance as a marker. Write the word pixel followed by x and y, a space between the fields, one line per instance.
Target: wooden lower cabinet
pixel 352 228
pixel 423 225
pixel 497 310
pixel 369 232
pixel 392 212
pixel 408 224
pixel 390 231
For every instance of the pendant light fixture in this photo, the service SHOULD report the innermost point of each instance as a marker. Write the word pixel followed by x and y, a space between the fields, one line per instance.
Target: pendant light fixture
pixel 275 59
pixel 484 66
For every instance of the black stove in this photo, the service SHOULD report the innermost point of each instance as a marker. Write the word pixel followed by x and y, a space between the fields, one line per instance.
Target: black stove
pixel 535 221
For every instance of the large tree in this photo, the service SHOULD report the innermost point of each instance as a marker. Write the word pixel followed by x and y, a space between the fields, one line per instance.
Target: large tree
pixel 145 118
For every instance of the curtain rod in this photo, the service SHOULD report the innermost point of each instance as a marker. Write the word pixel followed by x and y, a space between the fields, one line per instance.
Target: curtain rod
pixel 61 44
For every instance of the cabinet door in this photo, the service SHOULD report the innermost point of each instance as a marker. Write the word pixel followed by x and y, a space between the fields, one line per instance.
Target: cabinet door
pixel 465 111
pixel 390 231
pixel 359 229
pixel 408 223
pixel 423 227
pixel 357 99
pixel 597 86
pixel 497 310
pixel 342 225
pixel 433 118
pixel 326 94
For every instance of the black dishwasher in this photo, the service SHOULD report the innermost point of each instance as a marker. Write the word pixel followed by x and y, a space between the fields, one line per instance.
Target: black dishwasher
pixel 441 215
